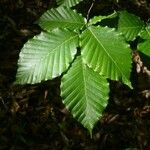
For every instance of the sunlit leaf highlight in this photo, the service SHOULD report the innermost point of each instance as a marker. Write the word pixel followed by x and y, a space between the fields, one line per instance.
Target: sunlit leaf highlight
pixel 84 93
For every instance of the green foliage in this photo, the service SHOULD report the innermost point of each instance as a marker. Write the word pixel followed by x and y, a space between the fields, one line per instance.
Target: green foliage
pixel 61 17
pixel 85 93
pixel 68 3
pixel 46 56
pixel 105 57
pixel 144 47
pixel 129 25
pixel 97 19
pixel 85 54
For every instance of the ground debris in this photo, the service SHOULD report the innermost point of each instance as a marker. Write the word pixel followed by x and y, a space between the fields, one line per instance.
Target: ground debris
pixel 33 116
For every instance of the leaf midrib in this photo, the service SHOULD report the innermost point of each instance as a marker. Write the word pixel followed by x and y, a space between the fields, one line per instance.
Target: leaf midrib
pixel 54 50
pixel 51 52
pixel 84 80
pixel 108 54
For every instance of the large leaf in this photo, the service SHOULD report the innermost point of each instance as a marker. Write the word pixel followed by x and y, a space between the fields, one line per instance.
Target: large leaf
pixel 68 3
pixel 144 47
pixel 84 93
pixel 61 17
pixel 46 56
pixel 130 25
pixel 106 52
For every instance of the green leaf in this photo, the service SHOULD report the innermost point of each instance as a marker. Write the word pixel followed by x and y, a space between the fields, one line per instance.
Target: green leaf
pixel 97 19
pixel 46 56
pixel 144 47
pixel 106 52
pixel 61 17
pixel 84 93
pixel 68 3
pixel 129 25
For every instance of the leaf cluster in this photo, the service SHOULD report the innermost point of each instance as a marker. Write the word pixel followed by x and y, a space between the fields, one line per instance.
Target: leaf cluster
pixel 85 54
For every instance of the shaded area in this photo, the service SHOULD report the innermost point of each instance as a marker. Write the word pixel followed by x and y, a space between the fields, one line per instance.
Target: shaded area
pixel 33 117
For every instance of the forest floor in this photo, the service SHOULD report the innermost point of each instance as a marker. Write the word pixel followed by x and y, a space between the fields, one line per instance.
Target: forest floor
pixel 32 117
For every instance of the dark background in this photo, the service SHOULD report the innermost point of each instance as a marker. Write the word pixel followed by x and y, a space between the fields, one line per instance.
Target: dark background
pixel 32 117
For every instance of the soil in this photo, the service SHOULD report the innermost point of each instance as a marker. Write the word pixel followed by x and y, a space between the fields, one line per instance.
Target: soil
pixel 32 117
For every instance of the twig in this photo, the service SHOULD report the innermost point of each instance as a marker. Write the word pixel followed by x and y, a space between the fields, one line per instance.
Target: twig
pixel 88 13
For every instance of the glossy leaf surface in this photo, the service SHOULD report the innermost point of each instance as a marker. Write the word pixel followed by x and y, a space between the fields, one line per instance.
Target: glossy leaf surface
pixel 84 93
pixel 104 50
pixel 129 25
pixel 46 56
pixel 61 17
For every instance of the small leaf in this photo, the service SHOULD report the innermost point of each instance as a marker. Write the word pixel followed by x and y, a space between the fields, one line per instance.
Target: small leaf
pixel 68 3
pixel 145 34
pixel 129 25
pixel 106 52
pixel 144 47
pixel 46 56
pixel 97 19
pixel 84 93
pixel 61 17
